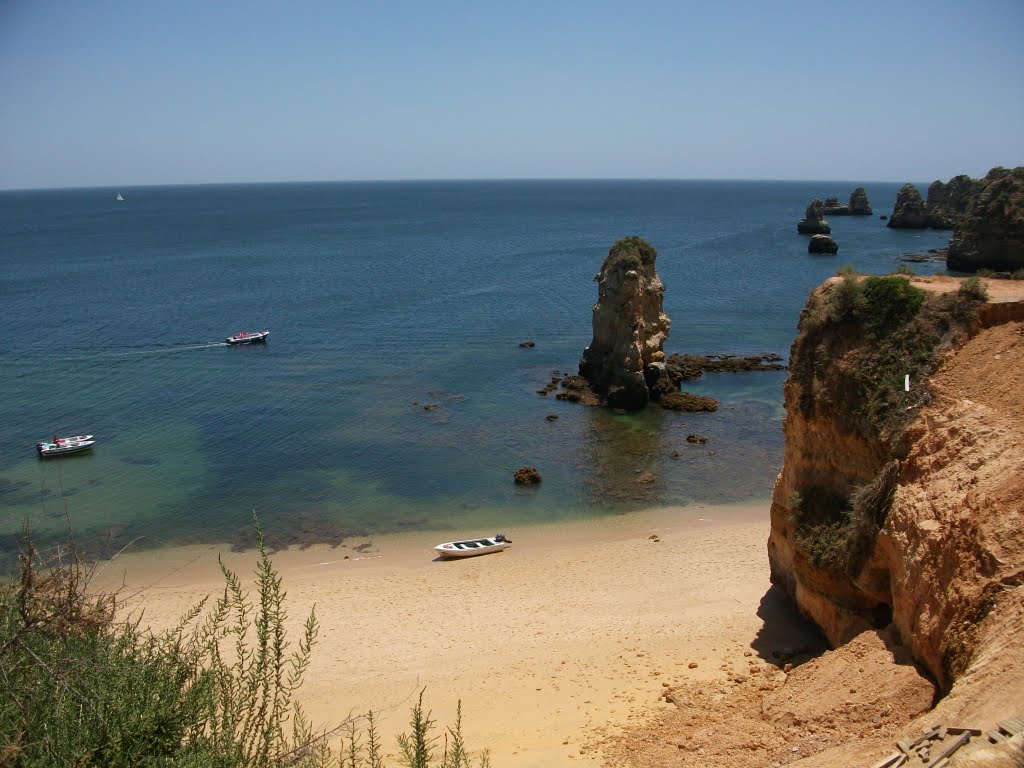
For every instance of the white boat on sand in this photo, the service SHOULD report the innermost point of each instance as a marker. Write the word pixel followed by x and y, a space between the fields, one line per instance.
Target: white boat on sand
pixel 473 547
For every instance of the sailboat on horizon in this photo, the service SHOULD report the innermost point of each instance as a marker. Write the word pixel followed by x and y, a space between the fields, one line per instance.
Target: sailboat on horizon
pixel 119 198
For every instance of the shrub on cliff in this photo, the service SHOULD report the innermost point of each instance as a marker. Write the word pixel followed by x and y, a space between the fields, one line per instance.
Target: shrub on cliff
pixel 630 253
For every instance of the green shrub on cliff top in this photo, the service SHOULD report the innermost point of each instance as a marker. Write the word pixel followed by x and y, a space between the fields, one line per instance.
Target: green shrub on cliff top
pixel 630 253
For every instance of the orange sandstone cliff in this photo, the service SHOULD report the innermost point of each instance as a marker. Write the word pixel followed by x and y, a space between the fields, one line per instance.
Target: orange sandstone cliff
pixel 905 507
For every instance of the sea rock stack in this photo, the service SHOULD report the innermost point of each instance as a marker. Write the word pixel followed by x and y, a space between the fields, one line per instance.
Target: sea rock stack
pixel 822 244
pixel 990 233
pixel 859 205
pixel 813 223
pixel 625 359
pixel 910 211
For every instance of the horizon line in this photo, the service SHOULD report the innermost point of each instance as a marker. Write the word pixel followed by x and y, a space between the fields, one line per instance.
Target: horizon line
pixel 467 180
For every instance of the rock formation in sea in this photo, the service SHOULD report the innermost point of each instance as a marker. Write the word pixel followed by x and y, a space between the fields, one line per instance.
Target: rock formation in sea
pixel 910 211
pixel 812 222
pixel 822 244
pixel 948 202
pixel 901 497
pixel 859 205
pixel 990 232
pixel 625 358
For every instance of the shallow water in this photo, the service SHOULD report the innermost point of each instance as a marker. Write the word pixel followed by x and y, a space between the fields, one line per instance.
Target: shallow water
pixel 382 298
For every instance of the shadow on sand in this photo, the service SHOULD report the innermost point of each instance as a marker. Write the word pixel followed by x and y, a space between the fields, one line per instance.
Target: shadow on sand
pixel 785 636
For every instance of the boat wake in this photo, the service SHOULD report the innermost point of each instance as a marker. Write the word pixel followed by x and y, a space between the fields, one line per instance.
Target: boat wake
pixel 167 350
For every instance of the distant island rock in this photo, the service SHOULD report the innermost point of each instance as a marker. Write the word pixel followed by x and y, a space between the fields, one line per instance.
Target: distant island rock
pixel 813 222
pixel 858 205
pixel 822 244
pixel 910 211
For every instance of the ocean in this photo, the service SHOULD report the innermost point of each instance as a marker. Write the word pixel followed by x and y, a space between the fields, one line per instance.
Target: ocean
pixel 392 393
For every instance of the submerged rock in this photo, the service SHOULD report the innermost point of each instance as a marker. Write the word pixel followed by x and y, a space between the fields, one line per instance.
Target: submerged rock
pixel 527 476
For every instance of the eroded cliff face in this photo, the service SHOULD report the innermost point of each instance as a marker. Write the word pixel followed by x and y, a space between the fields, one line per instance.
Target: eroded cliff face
pixel 944 559
pixel 626 357
pixel 910 210
pixel 990 232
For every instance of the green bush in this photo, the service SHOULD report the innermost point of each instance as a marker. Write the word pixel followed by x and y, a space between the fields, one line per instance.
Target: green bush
pixel 216 691
pixel 889 302
pixel 846 301
pixel 973 288
pixel 630 253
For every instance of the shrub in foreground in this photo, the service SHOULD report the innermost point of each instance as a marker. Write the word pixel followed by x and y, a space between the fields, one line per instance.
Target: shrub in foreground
pixel 217 690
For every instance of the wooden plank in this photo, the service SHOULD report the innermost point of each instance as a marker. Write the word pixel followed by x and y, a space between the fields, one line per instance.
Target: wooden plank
pixel 1012 725
pixel 956 731
pixel 996 737
pixel 962 739
pixel 905 746
pixel 894 760
pixel 934 733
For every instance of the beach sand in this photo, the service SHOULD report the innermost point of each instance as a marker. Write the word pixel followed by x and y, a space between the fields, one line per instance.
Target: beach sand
pixel 563 638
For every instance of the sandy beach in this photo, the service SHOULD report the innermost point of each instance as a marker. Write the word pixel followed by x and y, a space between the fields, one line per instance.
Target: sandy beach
pixel 562 639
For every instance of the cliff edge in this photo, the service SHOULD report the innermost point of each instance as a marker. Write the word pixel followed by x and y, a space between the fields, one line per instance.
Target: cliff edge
pixel 904 506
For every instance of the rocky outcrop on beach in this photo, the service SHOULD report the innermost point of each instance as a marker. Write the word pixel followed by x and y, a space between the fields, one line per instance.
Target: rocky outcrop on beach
pixel 910 211
pixel 989 234
pixel 625 358
pixel 813 222
pixel 901 500
pixel 822 244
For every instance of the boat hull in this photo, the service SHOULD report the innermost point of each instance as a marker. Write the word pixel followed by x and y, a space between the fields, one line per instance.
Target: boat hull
pixel 469 548
pixel 47 450
pixel 247 338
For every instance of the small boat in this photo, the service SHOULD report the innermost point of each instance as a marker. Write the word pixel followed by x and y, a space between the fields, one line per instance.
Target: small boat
pixel 59 439
pixel 119 198
pixel 247 337
pixel 473 547
pixel 64 446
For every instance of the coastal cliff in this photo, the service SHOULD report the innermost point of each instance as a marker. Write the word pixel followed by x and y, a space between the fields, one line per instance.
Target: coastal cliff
pixel 990 231
pixel 903 507
pixel 625 359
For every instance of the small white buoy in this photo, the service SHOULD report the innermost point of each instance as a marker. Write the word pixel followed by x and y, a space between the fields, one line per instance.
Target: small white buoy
pixel 906 383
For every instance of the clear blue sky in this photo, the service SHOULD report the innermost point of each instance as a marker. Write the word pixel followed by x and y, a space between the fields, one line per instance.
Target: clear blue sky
pixel 96 92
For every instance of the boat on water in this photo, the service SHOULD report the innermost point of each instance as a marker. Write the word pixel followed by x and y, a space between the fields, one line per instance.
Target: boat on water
pixel 61 446
pixel 473 547
pixel 247 337
pixel 119 198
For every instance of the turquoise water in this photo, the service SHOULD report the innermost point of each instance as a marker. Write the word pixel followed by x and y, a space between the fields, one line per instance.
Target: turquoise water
pixel 382 298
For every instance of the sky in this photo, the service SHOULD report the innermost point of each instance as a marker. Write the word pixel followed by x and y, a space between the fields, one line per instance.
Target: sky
pixel 104 93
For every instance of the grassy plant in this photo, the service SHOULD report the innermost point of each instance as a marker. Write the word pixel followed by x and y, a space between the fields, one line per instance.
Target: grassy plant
pixel 974 288
pixel 215 691
pixel 1017 274
pixel 845 269
pixel 630 253
pixel 846 301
